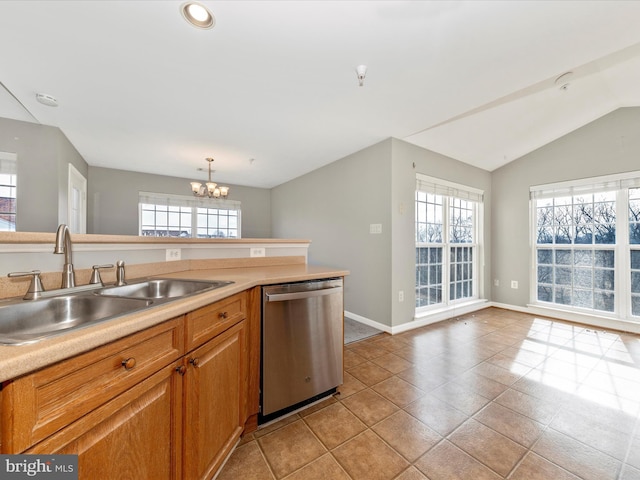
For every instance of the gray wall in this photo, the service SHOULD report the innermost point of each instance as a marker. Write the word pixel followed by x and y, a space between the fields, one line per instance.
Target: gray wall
pixel 334 206
pixel 606 146
pixel 113 201
pixel 43 154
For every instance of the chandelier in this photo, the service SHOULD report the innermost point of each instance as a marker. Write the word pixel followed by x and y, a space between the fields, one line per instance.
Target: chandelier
pixel 209 189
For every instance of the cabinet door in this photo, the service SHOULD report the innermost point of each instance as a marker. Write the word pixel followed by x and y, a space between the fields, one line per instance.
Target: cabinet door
pixel 48 400
pixel 215 389
pixel 134 436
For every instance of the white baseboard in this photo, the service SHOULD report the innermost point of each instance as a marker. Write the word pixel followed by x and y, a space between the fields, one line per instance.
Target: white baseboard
pixel 423 320
pixel 368 321
pixel 585 319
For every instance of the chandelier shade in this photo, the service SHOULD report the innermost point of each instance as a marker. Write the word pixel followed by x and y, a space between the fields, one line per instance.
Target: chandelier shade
pixel 209 189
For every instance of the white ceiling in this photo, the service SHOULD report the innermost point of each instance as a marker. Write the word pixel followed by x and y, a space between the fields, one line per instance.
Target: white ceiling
pixel 274 81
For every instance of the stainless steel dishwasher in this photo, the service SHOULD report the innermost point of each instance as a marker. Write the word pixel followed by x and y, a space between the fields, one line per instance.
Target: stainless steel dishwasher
pixel 302 344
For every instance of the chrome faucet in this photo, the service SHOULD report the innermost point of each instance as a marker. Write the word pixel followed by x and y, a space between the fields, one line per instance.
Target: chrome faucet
pixel 63 245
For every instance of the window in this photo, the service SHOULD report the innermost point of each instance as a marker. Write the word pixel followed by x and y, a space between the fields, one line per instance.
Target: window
pixel 163 215
pixel 8 192
pixel 447 233
pixel 587 247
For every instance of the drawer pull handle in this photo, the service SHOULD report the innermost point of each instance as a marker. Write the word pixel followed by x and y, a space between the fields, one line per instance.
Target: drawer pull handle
pixel 194 361
pixel 223 315
pixel 129 363
pixel 181 370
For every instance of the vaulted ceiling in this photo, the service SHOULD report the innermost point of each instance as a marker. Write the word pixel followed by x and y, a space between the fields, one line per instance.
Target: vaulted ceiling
pixel 271 91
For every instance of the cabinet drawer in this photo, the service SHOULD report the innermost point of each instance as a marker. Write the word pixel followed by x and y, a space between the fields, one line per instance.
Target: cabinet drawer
pixel 207 322
pixel 47 400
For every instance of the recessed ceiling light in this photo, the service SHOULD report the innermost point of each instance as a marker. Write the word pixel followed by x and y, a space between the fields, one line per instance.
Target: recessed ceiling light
pixel 197 15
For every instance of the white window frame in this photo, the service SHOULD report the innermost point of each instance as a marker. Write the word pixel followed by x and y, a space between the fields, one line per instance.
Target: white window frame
pixel 619 183
pixel 450 190
pixel 9 166
pixel 191 202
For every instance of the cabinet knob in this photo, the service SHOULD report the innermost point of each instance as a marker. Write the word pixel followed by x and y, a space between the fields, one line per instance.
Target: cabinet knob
pixel 194 361
pixel 181 370
pixel 223 315
pixel 129 363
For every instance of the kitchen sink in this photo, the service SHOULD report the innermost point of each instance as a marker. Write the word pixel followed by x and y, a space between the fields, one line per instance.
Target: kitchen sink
pixel 23 322
pixel 57 312
pixel 163 288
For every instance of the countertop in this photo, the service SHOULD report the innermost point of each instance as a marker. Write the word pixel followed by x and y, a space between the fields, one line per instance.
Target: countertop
pixel 21 359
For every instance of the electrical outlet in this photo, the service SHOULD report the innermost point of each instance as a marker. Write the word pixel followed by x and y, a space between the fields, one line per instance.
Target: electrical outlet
pixel 375 228
pixel 496 283
pixel 514 284
pixel 401 296
pixel 257 252
pixel 173 254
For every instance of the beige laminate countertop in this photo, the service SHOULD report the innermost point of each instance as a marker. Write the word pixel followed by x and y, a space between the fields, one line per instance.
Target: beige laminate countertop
pixel 21 359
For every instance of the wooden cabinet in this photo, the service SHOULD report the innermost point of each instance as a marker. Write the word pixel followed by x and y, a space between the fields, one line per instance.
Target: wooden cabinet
pixel 43 402
pixel 214 391
pixel 169 402
pixel 135 435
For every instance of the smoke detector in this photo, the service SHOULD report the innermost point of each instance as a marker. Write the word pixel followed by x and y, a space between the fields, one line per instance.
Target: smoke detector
pixel 47 100
pixel 562 81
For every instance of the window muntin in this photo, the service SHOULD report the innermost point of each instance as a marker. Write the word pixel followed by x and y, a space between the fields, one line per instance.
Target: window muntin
pixel 587 245
pixel 446 249
pixel 165 221
pixel 165 215
pixel 217 223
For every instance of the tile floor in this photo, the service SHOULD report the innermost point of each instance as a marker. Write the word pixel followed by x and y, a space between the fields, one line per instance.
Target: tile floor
pixel 491 395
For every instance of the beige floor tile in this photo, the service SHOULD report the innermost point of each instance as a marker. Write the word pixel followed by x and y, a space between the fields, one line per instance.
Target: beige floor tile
pixel 539 410
pixel 517 427
pixel 290 448
pixel 488 446
pixel 368 350
pixel 392 362
pixel 436 414
pixel 370 373
pixel 352 359
pixel 460 397
pixel 330 400
pixel 593 431
pixel 275 425
pixel 407 435
pixel 247 463
pixel 445 461
pixel 367 457
pixel 324 468
pixel 422 378
pixel 497 374
pixel 334 425
pixel 584 461
pixel 634 452
pixel 630 473
pixel 411 473
pixel 534 467
pixel 369 406
pixel 481 385
pixel 398 391
pixel 349 386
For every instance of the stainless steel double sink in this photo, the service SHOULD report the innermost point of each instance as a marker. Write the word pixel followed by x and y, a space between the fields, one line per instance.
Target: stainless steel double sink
pixel 29 321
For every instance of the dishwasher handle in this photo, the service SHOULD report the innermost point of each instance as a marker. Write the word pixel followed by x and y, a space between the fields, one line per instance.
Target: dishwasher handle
pixel 281 297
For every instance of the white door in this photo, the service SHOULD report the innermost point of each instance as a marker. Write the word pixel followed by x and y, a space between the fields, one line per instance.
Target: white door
pixel 77 201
